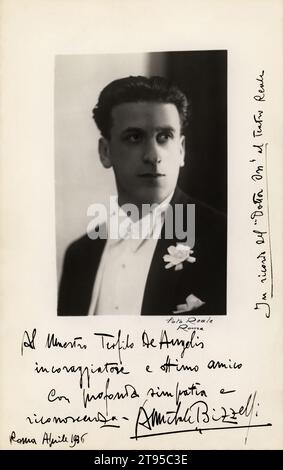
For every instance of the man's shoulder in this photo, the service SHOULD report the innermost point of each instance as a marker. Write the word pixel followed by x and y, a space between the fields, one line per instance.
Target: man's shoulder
pixel 79 243
pixel 84 245
pixel 203 210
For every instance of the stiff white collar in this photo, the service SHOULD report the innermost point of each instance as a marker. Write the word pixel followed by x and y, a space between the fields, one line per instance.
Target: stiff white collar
pixel 121 226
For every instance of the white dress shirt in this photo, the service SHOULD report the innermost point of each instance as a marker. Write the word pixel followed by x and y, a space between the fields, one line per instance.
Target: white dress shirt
pixel 124 266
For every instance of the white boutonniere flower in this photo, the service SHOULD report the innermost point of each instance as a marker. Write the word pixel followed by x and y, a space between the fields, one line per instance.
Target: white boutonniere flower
pixel 177 255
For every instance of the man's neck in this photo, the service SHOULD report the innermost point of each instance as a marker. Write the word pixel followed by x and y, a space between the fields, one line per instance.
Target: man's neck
pixel 142 209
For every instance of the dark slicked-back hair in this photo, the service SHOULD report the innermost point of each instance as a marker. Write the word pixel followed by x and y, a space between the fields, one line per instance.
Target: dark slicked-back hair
pixel 136 89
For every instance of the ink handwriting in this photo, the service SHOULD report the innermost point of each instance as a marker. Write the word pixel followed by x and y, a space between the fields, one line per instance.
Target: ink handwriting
pixel 110 395
pixel 259 215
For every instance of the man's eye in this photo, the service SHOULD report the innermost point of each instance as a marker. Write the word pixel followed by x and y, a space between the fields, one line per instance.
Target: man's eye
pixel 133 138
pixel 163 137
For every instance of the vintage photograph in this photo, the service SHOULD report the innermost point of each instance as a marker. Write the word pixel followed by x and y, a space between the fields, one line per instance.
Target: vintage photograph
pixel 141 183
pixel 141 236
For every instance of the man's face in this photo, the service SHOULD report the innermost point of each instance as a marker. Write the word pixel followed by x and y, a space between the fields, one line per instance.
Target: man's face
pixel 145 149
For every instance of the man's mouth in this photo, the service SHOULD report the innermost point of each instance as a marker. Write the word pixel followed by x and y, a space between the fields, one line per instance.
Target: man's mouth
pixel 151 175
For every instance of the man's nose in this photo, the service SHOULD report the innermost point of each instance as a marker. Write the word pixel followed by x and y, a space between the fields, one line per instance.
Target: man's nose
pixel 152 152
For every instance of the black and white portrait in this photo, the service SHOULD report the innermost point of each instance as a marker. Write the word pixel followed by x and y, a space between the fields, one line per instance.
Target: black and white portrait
pixel 141 183
pixel 141 236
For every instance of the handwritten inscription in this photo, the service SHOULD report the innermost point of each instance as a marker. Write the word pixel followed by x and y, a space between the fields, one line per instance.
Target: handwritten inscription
pixel 260 96
pixel 197 413
pixel 108 393
pixel 49 439
pixel 259 214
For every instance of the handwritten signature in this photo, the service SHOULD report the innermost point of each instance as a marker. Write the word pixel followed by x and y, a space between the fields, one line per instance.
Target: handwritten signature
pixel 197 415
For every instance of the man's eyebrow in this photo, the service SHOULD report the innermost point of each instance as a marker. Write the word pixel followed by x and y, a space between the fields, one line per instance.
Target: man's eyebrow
pixel 166 128
pixel 132 129
pixel 140 129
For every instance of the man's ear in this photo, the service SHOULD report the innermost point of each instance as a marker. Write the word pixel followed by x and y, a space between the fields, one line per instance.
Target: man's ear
pixel 104 152
pixel 182 150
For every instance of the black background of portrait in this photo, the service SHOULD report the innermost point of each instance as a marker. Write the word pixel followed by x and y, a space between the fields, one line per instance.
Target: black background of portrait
pixel 202 75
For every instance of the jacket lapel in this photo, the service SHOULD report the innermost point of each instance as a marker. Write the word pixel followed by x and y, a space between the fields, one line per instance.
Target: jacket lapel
pixel 161 290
